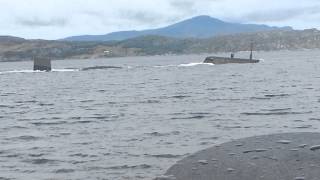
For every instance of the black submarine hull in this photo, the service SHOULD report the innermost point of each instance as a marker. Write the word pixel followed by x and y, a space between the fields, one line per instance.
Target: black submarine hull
pixel 224 60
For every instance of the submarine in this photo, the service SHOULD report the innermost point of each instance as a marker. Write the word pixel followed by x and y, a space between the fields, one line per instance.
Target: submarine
pixel 232 59
pixel 42 64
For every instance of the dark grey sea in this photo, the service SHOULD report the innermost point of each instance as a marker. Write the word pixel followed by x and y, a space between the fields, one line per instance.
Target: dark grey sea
pixel 135 121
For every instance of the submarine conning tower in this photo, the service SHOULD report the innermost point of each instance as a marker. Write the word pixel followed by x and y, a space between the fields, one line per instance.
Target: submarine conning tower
pixel 41 64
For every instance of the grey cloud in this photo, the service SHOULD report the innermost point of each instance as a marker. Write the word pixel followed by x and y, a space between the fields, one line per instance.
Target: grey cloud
pixel 96 15
pixel 190 5
pixel 183 8
pixel 183 5
pixel 93 13
pixel 37 22
pixel 144 17
pixel 103 16
pixel 281 14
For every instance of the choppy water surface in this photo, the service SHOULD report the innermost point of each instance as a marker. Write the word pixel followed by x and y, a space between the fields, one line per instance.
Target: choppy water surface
pixel 135 122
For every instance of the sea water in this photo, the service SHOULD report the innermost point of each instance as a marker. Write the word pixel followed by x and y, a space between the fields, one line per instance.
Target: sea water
pixel 137 121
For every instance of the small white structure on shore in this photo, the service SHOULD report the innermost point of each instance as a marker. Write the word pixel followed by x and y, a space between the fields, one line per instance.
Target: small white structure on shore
pixel 107 52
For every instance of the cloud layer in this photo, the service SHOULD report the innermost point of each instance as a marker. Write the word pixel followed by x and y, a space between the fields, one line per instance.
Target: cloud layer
pixel 53 19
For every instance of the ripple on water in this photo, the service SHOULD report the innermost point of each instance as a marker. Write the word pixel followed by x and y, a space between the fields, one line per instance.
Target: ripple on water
pixel 41 161
pixel 6 106
pixel 275 113
pixel 260 98
pixel 274 110
pixel 180 97
pixel 200 113
pixel 79 155
pixel 46 104
pixel 276 95
pixel 304 127
pixel 196 115
pixel 64 171
pixel 87 101
pixel 4 178
pixel 100 117
pixel 12 155
pixel 190 117
pixel 123 167
pixel 8 128
pixel 37 155
pixel 49 123
pixel 166 156
pixel 150 101
pixel 26 102
pixel 83 122
pixel 157 134
pixel 314 119
pixel 26 138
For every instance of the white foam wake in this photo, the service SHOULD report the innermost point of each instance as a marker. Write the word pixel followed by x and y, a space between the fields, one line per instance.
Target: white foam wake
pixel 19 71
pixel 164 66
pixel 32 71
pixel 195 64
pixel 65 70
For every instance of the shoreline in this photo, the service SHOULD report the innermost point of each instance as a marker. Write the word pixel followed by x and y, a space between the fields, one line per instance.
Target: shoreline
pixel 242 53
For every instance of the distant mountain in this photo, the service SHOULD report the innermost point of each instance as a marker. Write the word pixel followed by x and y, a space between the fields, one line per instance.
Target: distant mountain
pixel 11 39
pixel 197 27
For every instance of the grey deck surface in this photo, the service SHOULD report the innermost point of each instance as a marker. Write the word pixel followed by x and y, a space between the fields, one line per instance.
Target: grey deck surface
pixel 294 156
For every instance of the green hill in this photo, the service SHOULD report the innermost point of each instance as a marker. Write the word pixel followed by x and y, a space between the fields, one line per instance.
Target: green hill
pixel 17 49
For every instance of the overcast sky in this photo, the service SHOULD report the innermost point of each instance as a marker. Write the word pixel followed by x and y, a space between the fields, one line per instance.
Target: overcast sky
pixel 53 19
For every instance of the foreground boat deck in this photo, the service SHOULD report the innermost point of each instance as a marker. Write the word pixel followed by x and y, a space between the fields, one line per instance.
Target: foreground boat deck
pixel 292 156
